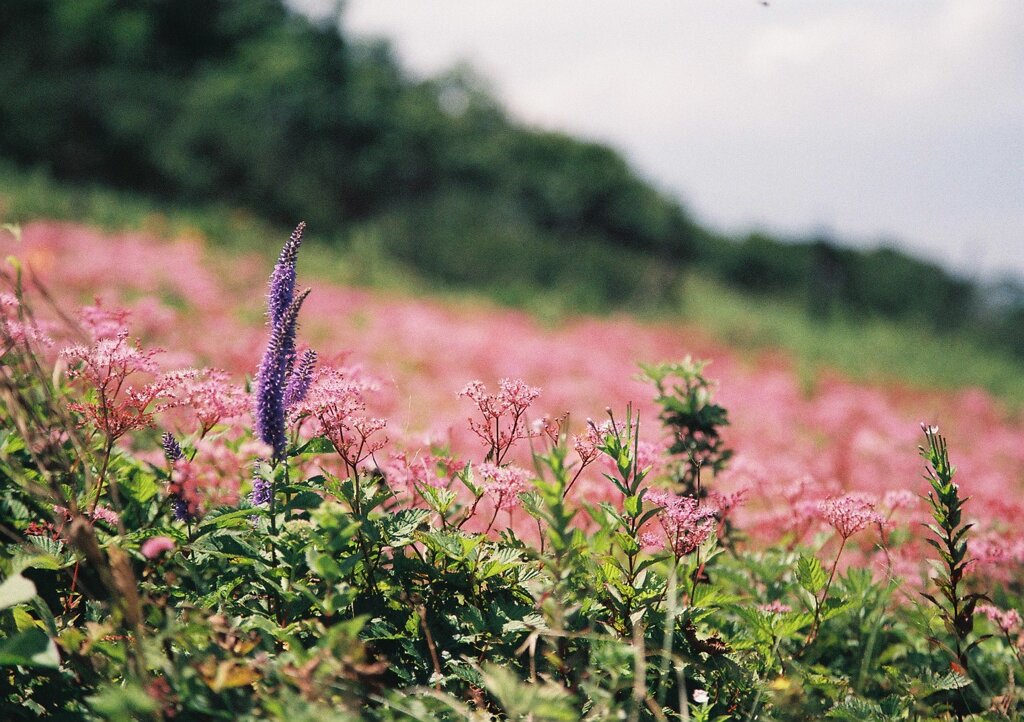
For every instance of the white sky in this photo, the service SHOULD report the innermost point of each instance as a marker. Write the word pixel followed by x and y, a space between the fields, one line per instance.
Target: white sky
pixel 870 119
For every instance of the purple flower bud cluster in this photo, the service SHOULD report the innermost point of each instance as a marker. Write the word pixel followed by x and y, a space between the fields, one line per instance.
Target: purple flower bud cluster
pixel 261 489
pixel 282 281
pixel 300 379
pixel 172 449
pixel 279 383
pixel 173 453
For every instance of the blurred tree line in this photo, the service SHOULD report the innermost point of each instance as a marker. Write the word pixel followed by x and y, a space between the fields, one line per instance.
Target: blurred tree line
pixel 245 102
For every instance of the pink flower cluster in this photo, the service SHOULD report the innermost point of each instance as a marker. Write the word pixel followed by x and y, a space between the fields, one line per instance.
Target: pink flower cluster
pixel 16 330
pixel 100 513
pixel 503 421
pixel 408 473
pixel 504 484
pixel 211 397
pixel 335 407
pixel 1008 621
pixel 849 514
pixel 686 522
pixel 103 368
pixel 155 546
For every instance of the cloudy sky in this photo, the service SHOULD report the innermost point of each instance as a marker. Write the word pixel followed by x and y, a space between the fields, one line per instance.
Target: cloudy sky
pixel 869 119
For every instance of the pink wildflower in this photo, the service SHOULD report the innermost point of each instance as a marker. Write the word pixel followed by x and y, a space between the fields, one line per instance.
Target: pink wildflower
pixel 686 522
pixel 850 513
pixel 649 457
pixel 211 396
pixel 504 415
pixel 551 428
pixel 401 471
pixel 451 465
pixel 103 323
pixel 504 483
pixel 725 503
pixel 1008 621
pixel 335 408
pixel 104 368
pixel 650 540
pixel 109 361
pixel 775 607
pixel 897 499
pixel 155 546
pixel 100 513
pixel 17 329
pixel 588 444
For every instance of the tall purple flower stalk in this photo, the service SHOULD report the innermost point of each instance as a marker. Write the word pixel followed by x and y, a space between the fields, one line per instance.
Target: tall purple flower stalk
pixel 173 452
pixel 282 280
pixel 279 383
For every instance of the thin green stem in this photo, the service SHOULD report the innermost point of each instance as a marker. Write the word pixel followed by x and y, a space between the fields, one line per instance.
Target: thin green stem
pixel 818 604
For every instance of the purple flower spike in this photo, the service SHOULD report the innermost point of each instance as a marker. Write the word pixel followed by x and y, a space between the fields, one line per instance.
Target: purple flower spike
pixel 172 449
pixel 282 280
pixel 180 508
pixel 300 379
pixel 261 490
pixel 272 379
pixel 278 382
pixel 173 452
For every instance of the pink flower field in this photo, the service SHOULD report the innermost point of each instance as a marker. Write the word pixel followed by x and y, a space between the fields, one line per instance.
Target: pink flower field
pixel 795 447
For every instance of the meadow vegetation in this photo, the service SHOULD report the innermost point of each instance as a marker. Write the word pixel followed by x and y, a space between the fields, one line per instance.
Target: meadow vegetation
pixel 459 459
pixel 181 542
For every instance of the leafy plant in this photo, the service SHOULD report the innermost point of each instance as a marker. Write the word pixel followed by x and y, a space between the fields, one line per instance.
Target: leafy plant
pixel 957 607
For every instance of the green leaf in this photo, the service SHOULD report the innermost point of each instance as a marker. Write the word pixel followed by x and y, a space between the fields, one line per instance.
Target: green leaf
pixel 856 709
pixel 809 574
pixel 31 648
pixel 123 702
pixel 319 445
pixel 305 500
pixel 23 561
pixel 139 486
pixel 16 590
pixel 234 519
pixel 542 701
pixel 440 500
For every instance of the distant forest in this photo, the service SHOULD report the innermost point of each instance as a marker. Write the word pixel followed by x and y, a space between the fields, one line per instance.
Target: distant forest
pixel 246 103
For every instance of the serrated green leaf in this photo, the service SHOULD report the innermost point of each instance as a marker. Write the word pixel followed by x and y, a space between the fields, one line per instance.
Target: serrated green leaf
pixel 305 500
pixel 810 574
pixel 139 486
